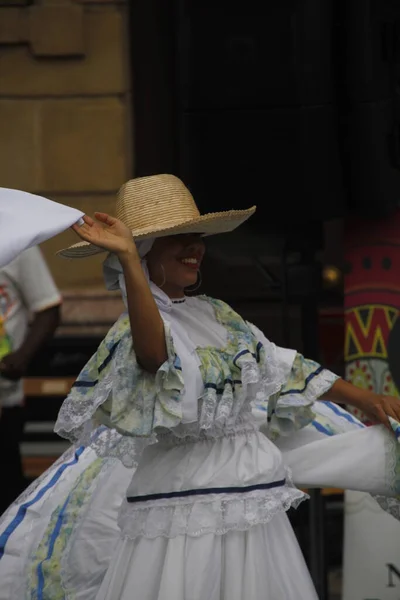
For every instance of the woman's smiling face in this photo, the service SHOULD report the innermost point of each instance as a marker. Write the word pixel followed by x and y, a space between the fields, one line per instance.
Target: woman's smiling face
pixel 174 262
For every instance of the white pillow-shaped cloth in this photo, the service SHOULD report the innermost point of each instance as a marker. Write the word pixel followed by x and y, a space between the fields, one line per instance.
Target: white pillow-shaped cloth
pixel 27 220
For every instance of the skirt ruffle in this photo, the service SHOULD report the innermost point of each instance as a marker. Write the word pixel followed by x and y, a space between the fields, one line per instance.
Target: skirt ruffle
pixel 57 540
pixel 262 563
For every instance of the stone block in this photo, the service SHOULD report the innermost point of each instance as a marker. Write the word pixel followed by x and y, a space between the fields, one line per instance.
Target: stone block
pixel 13 25
pixel 56 30
pixel 85 307
pixel 19 144
pixel 8 3
pixel 102 1
pixel 84 145
pixel 82 273
pixel 103 71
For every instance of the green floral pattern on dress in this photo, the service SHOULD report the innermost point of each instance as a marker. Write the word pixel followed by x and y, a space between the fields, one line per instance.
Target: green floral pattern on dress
pixel 223 370
pixel 45 571
pixel 113 389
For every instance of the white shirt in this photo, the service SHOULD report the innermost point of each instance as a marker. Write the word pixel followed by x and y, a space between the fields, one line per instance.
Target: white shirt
pixel 26 287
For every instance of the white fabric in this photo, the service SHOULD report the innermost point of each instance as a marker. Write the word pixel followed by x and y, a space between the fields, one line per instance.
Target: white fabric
pixel 112 269
pixel 204 546
pixel 257 557
pixel 96 532
pixel 238 460
pixel 193 326
pixel 27 220
pixel 370 551
pixel 339 461
pixel 285 356
pixel 26 287
pixel 197 318
pixel 41 502
pixel 234 456
pixel 263 563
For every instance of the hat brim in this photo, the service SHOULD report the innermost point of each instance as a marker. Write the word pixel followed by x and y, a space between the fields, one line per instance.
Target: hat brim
pixel 206 225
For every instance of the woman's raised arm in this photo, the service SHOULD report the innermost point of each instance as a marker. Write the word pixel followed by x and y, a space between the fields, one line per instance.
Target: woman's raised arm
pixel 147 326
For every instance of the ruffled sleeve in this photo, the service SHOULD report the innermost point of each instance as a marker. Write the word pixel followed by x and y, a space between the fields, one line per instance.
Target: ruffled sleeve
pixel 113 390
pixel 308 378
pixel 291 408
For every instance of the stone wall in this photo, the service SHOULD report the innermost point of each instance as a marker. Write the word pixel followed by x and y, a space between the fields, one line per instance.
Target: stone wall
pixel 65 103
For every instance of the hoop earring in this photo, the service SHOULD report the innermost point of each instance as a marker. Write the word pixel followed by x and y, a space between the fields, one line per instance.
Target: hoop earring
pixel 164 277
pixel 197 284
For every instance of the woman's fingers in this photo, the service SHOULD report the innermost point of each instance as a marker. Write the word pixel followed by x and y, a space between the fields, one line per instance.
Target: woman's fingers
pixel 105 218
pixel 83 224
pixel 100 232
pixel 392 408
pixel 382 417
pixel 389 410
pixel 88 220
pixel 391 414
pixel 77 229
pixel 86 231
pixel 396 409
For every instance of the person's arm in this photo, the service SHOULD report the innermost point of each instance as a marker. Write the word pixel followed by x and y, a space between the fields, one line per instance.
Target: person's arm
pixel 147 326
pixel 304 375
pixel 343 392
pixel 377 407
pixel 308 378
pixel 42 299
pixel 44 323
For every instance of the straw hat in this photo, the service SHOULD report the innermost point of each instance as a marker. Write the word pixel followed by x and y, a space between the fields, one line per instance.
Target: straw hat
pixel 159 206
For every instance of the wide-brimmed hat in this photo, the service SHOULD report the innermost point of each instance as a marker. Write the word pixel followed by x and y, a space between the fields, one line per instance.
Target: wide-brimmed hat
pixel 159 206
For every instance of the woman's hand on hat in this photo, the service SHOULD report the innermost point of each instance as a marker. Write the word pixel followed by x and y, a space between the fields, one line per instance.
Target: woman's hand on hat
pixel 107 232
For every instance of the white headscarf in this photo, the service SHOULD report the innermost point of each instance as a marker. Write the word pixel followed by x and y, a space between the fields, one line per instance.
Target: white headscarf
pixel 115 280
pixel 185 348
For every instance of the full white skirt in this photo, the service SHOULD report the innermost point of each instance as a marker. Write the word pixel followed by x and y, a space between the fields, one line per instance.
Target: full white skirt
pixel 262 563
pixel 62 540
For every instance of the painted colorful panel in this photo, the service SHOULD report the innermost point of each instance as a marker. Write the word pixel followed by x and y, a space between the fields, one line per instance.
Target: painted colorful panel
pixel 372 304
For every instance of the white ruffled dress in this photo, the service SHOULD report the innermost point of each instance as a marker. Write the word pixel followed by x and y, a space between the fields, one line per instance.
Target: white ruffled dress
pixel 178 484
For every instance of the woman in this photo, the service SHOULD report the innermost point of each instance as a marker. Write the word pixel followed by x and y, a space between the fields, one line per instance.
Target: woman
pixel 222 425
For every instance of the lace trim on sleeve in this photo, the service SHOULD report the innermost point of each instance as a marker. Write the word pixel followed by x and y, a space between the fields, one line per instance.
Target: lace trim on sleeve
pixel 244 371
pixel 292 408
pixel 113 390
